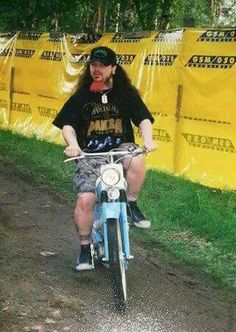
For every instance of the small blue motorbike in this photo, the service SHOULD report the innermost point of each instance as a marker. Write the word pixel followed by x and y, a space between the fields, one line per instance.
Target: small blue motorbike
pixel 110 233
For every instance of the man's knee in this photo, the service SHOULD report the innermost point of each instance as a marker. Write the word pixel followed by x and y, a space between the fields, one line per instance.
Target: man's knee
pixel 85 202
pixel 136 163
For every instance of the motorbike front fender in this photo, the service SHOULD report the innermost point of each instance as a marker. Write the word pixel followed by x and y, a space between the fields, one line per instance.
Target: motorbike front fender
pixel 111 210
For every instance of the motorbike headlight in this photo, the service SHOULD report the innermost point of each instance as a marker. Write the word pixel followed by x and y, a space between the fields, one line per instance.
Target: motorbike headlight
pixel 113 193
pixel 110 176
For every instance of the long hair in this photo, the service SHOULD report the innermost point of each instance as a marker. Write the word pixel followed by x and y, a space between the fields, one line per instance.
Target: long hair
pixel 122 85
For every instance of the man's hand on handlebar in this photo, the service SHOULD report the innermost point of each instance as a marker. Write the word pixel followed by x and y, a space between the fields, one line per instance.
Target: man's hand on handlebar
pixel 72 151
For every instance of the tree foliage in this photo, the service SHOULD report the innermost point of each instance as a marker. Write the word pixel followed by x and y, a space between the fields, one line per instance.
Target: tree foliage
pixel 111 15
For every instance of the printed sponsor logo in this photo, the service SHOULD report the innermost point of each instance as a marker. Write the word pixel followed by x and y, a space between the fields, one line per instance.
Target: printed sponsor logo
pixel 85 38
pixel 211 61
pixel 159 114
pixel 125 59
pixel 81 59
pixel 121 37
pixel 24 53
pixel 165 36
pixel 208 142
pixel 54 40
pixel 49 97
pixel 161 135
pixel 137 132
pixel 218 36
pixel 122 59
pixel 3 103
pixel 7 35
pixel 52 56
pixel 55 36
pixel 160 59
pixel 158 134
pixel 30 35
pixel 21 107
pixel 6 52
pixel 21 92
pixel 47 112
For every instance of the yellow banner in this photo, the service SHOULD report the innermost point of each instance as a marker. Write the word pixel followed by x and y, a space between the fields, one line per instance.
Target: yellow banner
pixel 186 77
pixel 7 49
pixel 206 144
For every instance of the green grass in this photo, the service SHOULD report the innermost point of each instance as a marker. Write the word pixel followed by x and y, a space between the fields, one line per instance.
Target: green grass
pixel 194 224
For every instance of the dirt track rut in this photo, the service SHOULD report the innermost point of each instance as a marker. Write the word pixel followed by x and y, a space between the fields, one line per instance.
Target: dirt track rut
pixel 43 293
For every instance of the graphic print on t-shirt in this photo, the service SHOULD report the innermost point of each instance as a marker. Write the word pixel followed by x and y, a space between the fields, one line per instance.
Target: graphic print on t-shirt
pixel 105 130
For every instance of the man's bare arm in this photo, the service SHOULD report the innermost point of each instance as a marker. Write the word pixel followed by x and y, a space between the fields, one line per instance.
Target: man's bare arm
pixel 69 135
pixel 146 130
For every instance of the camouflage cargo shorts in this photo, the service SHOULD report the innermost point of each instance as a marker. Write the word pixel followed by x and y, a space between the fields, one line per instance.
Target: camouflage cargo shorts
pixel 85 179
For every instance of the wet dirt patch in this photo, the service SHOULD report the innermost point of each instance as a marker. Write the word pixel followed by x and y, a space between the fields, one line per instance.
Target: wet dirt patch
pixel 43 293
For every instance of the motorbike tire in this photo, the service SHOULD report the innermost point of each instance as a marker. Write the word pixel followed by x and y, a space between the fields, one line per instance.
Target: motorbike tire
pixel 117 265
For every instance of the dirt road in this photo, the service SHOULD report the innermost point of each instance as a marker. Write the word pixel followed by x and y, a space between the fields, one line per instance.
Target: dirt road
pixel 43 293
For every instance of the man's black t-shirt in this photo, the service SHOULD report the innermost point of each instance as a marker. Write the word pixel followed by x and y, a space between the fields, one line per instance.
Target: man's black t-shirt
pixel 102 127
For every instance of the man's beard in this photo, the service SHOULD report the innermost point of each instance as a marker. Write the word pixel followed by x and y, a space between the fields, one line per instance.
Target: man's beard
pixel 109 81
pixel 99 86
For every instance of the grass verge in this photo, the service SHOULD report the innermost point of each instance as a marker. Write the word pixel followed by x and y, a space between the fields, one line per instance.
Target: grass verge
pixel 195 224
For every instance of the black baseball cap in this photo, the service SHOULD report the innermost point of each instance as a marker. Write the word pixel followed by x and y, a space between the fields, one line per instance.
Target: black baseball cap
pixel 104 55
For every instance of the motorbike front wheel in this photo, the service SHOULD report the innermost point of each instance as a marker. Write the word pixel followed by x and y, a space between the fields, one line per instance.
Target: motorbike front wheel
pixel 117 264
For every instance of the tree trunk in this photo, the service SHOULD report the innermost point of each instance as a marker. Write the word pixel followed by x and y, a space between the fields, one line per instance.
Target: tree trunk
pixel 117 17
pixel 105 20
pixel 139 12
pixel 165 14
pixel 32 18
pixel 216 8
pixel 86 22
pixel 98 22
pixel 54 22
pixel 30 21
